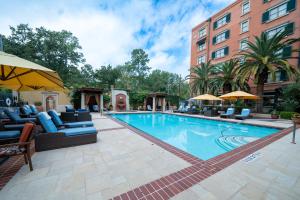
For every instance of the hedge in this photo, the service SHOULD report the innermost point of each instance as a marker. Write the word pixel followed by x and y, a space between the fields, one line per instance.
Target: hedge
pixel 287 115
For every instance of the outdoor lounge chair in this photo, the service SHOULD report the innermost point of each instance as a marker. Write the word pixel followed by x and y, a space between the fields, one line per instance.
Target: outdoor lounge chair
pixel 26 111
pixel 14 117
pixel 229 113
pixel 59 123
pixel 149 108
pixel 22 147
pixel 193 110
pixel 244 114
pixel 13 126
pixel 8 136
pixel 54 138
pixel 69 108
pixel 34 109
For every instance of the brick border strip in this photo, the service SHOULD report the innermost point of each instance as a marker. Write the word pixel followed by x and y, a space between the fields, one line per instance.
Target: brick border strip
pixel 174 183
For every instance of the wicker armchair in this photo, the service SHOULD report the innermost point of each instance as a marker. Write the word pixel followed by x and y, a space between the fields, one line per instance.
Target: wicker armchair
pixel 22 147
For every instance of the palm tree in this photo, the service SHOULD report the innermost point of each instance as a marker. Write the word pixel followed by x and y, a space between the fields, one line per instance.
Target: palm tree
pixel 200 78
pixel 225 77
pixel 264 56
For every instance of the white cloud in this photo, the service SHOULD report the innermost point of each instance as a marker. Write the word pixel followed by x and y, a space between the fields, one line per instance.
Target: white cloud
pixel 107 30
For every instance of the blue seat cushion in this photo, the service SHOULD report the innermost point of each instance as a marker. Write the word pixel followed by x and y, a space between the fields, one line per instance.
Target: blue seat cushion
pixel 9 134
pixel 46 122
pixel 13 126
pixel 33 109
pixel 24 120
pixel 78 124
pixel 55 118
pixel 78 131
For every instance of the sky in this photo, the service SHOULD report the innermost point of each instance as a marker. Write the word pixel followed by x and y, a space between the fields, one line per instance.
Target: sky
pixel 108 30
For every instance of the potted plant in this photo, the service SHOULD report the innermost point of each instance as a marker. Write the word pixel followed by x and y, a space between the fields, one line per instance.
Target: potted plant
pixel 296 118
pixel 274 114
pixel 38 106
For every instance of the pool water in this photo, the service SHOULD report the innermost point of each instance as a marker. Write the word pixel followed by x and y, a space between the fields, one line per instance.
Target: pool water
pixel 202 138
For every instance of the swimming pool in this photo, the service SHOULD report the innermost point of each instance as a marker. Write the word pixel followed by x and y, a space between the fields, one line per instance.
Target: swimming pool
pixel 202 138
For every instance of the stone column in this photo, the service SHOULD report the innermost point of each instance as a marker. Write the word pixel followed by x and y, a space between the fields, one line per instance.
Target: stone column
pixel 101 104
pixel 164 104
pixel 82 100
pixel 153 104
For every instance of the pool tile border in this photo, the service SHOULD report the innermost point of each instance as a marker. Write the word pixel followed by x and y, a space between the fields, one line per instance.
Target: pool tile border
pixel 168 186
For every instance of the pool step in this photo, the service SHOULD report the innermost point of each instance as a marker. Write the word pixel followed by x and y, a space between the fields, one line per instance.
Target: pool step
pixel 231 141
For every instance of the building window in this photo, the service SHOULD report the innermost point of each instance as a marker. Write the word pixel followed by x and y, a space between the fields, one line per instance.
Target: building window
pixel 245 26
pixel 289 27
pixel 279 76
pixel 201 59
pixel 278 11
pixel 221 37
pixel 285 52
pixel 220 53
pixel 202 32
pixel 201 46
pixel 243 44
pixel 222 21
pixel 246 7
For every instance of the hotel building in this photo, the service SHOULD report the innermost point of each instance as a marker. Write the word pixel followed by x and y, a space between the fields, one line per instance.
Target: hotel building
pixel 223 35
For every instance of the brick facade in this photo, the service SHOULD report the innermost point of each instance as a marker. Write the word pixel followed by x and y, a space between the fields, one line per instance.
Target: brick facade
pixel 233 17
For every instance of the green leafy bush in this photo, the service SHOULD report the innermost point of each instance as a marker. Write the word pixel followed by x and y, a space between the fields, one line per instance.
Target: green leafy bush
pixel 291 98
pixel 287 115
pixel 136 99
pixel 38 103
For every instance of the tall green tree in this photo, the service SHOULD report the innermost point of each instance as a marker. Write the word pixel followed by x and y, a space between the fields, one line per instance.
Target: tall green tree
pixel 88 75
pixel 265 56
pixel 107 76
pixel 57 50
pixel 139 63
pixel 225 78
pixel 200 78
pixel 135 71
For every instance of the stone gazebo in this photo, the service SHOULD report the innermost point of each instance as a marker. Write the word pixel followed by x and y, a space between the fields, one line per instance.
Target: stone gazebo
pixel 91 98
pixel 157 101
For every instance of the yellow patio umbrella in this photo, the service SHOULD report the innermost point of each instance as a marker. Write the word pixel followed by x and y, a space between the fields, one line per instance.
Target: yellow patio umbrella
pixel 208 97
pixel 22 75
pixel 238 95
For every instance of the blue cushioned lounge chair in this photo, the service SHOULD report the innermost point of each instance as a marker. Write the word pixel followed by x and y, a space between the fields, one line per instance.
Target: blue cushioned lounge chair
pixel 229 113
pixel 59 123
pixel 26 110
pixel 34 110
pixel 14 117
pixel 54 138
pixel 69 108
pixel 244 114
pixel 9 135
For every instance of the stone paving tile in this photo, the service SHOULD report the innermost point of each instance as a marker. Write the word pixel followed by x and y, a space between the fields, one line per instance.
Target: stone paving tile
pixel 273 175
pixel 118 162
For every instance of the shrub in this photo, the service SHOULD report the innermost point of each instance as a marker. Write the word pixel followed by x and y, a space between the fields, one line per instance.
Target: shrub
pixel 38 103
pixel 287 115
pixel 291 97
pixel 137 99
